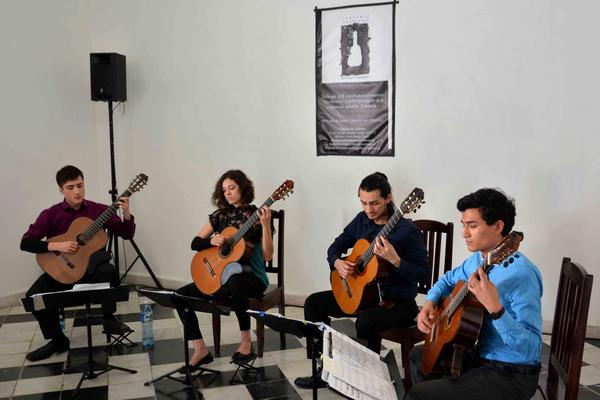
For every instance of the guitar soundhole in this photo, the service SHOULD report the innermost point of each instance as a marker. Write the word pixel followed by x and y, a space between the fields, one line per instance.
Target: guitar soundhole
pixel 360 268
pixel 225 250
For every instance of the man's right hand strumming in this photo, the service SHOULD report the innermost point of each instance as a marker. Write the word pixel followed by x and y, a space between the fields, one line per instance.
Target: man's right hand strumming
pixel 344 268
pixel 426 317
pixel 69 247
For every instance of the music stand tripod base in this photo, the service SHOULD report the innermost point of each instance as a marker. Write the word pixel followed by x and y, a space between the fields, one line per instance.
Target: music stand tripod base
pixel 169 298
pixel 92 369
pixel 247 366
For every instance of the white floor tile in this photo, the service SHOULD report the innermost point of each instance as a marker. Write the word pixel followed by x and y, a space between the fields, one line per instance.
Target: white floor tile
pixel 38 385
pixel 12 360
pixel 590 375
pixel 129 391
pixel 70 381
pixel 237 392
pixel 14 348
pixel 7 388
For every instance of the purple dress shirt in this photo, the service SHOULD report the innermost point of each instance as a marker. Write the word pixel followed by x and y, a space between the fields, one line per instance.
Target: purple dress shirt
pixel 56 220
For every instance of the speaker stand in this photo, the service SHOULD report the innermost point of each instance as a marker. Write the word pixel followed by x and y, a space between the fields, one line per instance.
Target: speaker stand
pixel 113 246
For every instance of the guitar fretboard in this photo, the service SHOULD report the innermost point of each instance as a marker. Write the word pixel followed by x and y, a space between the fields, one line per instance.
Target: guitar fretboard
pixel 248 224
pixel 98 224
pixel 387 228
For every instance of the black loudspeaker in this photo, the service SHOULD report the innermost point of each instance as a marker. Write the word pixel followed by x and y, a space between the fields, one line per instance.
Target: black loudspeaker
pixel 107 76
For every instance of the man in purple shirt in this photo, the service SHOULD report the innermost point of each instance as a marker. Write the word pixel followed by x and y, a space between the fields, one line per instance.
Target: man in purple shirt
pixel 55 221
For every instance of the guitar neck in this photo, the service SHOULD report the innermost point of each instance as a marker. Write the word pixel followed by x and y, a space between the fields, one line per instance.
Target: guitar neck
pixel 464 291
pixel 98 224
pixel 249 223
pixel 387 228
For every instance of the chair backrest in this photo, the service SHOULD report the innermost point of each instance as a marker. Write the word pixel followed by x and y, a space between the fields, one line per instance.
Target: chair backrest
pixel 434 234
pixel 568 329
pixel 275 266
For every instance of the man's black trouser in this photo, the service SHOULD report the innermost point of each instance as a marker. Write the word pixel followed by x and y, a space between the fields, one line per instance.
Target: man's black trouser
pixel 479 380
pixel 320 306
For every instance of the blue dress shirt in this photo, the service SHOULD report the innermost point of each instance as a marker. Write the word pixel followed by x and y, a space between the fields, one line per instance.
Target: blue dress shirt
pixel 516 337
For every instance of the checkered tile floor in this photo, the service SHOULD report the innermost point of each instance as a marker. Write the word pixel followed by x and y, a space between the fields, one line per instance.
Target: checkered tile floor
pixel 24 380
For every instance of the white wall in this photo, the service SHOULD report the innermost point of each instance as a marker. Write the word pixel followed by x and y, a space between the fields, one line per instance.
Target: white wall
pixel 488 94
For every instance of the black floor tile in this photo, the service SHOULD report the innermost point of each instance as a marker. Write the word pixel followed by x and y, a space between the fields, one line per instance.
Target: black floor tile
pixel 272 341
pixel 594 342
pixel 595 388
pixel 19 318
pixel 79 356
pixel 95 393
pixel 38 371
pixel 271 390
pixel 207 381
pixel 9 374
pixel 167 389
pixel 165 351
pixel 587 394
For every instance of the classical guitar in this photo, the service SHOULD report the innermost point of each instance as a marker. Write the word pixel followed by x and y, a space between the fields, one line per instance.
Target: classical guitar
pixel 209 264
pixel 458 324
pixel 350 293
pixel 91 237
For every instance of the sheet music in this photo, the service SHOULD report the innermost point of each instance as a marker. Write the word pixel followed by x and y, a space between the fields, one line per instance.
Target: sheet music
pixel 90 286
pixel 38 298
pixel 354 370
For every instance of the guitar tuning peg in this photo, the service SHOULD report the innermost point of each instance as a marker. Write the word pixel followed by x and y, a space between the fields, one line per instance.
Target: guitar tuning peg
pixel 423 202
pixel 517 256
pixel 511 260
pixel 505 264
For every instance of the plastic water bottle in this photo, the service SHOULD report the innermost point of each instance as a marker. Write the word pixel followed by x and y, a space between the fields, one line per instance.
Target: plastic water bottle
pixel 147 333
pixel 61 320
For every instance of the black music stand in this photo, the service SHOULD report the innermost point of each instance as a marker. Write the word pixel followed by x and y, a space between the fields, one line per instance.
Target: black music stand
pixel 392 365
pixel 169 298
pixel 295 327
pixel 73 298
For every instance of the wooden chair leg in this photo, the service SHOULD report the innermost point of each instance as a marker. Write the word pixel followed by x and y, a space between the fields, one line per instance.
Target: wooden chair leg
pixel 282 344
pixel 405 349
pixel 216 325
pixel 260 337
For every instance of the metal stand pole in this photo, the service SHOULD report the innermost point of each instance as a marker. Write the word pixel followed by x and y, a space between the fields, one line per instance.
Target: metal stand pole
pixel 113 245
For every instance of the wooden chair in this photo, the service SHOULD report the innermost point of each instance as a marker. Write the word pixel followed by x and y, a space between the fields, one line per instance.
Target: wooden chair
pixel 433 236
pixel 273 296
pixel 568 329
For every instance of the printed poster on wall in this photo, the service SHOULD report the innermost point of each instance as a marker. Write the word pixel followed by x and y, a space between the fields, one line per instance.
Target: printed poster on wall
pixel 355 80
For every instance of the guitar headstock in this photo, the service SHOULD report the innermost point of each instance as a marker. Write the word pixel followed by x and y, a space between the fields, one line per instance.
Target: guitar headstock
pixel 284 190
pixel 138 183
pixel 508 246
pixel 413 201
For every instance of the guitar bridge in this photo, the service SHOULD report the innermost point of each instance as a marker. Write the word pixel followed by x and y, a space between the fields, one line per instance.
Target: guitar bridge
pixel 209 267
pixel 67 261
pixel 347 288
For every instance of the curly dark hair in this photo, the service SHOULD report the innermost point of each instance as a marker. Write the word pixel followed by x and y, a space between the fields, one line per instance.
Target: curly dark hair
pixel 245 184
pixel 493 205
pixel 67 173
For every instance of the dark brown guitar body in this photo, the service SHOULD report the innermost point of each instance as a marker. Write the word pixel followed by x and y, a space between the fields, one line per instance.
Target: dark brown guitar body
pixel 452 334
pixel 70 268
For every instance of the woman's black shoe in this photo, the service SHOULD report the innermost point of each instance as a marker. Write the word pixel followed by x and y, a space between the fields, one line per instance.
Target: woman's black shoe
pixel 207 359
pixel 242 358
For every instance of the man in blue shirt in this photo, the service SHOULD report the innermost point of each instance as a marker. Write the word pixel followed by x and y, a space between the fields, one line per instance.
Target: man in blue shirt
pixel 403 249
pixel 506 362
